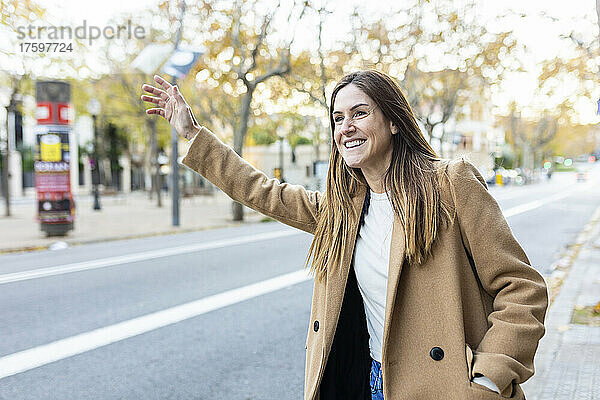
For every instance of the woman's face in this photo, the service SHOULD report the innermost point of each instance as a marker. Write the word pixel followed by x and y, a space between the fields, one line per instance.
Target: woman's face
pixel 358 118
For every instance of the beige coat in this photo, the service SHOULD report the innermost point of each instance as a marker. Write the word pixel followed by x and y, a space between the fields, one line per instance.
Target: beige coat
pixel 475 306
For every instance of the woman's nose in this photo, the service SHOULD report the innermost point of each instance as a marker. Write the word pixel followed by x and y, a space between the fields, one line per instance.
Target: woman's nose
pixel 346 127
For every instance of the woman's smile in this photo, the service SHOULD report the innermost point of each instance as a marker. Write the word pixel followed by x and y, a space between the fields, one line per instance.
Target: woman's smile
pixel 354 144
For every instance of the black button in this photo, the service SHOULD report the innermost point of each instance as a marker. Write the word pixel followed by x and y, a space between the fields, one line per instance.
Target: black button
pixel 316 326
pixel 436 353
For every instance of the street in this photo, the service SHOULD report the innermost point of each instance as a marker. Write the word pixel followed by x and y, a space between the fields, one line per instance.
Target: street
pixel 231 342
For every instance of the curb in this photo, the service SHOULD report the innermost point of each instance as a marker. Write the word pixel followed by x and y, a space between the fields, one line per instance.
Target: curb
pixel 562 266
pixel 134 236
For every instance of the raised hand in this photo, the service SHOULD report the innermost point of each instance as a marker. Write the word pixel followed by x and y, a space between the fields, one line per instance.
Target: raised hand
pixel 172 107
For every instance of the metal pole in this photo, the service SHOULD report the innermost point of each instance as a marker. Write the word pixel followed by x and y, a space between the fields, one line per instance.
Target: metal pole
pixel 175 174
pixel 5 174
pixel 174 140
pixel 96 178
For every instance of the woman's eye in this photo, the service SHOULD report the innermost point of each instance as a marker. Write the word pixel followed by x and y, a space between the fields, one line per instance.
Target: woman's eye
pixel 359 113
pixel 338 119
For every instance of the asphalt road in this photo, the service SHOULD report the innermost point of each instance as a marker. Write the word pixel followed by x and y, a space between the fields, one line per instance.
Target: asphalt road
pixel 59 323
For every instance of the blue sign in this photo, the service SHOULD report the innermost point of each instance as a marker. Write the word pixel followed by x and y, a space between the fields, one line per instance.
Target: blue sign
pixel 181 62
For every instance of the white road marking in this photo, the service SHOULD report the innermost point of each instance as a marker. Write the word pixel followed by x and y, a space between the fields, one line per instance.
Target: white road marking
pixel 36 357
pixel 521 208
pixel 135 257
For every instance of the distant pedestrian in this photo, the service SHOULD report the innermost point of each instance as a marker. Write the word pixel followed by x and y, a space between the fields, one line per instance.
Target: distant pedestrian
pixel 421 290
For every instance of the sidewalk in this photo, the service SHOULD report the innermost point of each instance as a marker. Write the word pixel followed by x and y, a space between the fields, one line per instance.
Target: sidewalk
pixel 122 216
pixel 567 363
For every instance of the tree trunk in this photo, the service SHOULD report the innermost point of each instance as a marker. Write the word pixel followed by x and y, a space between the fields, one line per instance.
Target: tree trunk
pixel 317 141
pixel 148 181
pixel 238 144
pixel 5 183
pixel 598 13
pixel 5 172
pixel 429 129
pixel 443 153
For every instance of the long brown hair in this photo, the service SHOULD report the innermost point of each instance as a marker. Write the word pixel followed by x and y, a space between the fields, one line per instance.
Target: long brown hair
pixel 410 179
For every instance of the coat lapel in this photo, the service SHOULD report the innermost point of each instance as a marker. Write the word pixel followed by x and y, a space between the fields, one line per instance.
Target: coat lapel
pixel 338 278
pixel 397 253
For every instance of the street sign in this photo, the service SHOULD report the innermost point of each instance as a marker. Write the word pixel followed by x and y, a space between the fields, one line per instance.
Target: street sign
pixel 182 60
pixel 152 57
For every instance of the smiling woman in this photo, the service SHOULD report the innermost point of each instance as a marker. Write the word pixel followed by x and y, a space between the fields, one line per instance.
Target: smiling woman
pixel 421 290
pixel 364 137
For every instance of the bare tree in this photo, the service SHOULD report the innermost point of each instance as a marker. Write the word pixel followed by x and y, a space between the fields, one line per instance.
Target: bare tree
pixel 321 76
pixel 130 82
pixel 598 14
pixel 125 84
pixel 246 70
pixel 16 81
pixel 445 87
pixel 530 138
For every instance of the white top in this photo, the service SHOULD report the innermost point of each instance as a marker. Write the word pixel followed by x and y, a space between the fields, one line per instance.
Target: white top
pixel 371 263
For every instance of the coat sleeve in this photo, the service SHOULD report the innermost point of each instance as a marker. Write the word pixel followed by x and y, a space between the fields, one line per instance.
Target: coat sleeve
pixel 519 292
pixel 220 164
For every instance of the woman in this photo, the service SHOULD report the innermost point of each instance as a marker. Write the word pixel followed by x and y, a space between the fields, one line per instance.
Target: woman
pixel 421 290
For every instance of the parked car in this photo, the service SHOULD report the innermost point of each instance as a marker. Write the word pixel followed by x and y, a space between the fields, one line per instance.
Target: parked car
pixel 490 178
pixel 581 176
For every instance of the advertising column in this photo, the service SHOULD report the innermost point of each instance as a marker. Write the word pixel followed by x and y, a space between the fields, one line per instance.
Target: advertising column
pixel 55 205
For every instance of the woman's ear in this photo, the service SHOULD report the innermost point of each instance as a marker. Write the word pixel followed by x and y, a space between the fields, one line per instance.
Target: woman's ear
pixel 393 128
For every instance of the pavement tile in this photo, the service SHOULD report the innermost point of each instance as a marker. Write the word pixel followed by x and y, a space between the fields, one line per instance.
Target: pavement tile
pixel 567 362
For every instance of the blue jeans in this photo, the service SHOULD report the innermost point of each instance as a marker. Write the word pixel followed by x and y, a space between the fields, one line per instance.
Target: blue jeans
pixel 376 381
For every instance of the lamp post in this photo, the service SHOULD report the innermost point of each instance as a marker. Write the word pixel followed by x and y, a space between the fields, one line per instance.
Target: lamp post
pixel 94 110
pixel 174 138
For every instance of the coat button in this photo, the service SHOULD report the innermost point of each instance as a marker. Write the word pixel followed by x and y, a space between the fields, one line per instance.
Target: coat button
pixel 316 326
pixel 436 353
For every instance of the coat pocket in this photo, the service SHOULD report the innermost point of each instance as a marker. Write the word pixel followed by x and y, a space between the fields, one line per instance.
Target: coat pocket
pixel 478 392
pixel 469 358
